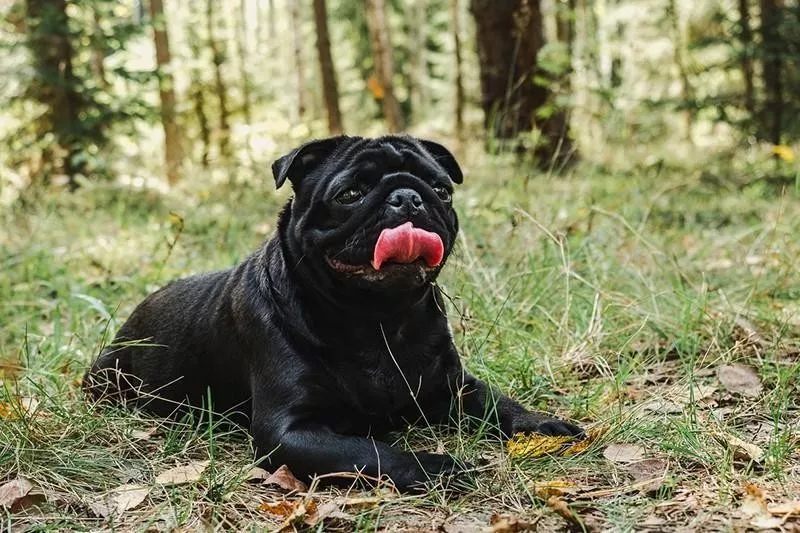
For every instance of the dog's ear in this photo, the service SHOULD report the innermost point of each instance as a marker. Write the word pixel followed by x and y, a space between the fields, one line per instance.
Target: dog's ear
pixel 445 158
pixel 302 160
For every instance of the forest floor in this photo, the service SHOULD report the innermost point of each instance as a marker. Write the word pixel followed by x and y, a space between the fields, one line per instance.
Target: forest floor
pixel 660 306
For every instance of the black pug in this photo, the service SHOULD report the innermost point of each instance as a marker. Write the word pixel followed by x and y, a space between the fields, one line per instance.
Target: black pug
pixel 333 331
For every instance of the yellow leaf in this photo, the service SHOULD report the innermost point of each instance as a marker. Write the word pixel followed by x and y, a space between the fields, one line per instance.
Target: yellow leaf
pixel 592 436
pixel 535 445
pixel 784 152
pixel 375 87
pixel 555 487
pixel 523 445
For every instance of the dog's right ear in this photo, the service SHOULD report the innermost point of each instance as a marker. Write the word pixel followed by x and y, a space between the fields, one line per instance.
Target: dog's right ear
pixel 302 160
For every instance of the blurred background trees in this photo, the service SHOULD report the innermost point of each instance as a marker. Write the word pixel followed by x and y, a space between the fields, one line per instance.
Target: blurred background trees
pixel 152 89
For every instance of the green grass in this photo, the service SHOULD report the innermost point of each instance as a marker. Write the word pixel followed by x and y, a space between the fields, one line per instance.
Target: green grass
pixel 610 298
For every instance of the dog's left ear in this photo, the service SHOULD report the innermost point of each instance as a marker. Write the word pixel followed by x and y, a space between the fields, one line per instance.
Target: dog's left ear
pixel 304 159
pixel 444 157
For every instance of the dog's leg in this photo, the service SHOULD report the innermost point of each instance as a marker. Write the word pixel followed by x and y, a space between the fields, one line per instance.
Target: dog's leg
pixel 504 416
pixel 310 451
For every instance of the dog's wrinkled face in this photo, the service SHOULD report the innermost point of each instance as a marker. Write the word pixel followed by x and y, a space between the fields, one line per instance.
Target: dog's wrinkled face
pixel 375 213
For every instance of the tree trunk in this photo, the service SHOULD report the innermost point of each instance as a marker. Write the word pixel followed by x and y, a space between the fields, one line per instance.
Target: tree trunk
pixel 746 38
pixel 770 19
pixel 419 59
pixel 380 42
pixel 459 75
pixel 173 153
pixel 218 58
pixel 680 63
pixel 330 88
pixel 241 44
pixel 509 36
pixel 98 54
pixel 197 91
pixel 54 84
pixel 299 64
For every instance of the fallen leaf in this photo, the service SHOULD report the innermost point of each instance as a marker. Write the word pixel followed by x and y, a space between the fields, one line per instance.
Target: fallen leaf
pixel 284 478
pixel 282 508
pixel 766 522
pixel 562 509
pixel 623 453
pixel 334 509
pixel 592 436
pixel 291 511
pixel 13 491
pixel 119 500
pixel 785 508
pixel 741 449
pixel 740 379
pixel 139 434
pixel 509 524
pixel 648 474
pixel 182 474
pixel 257 474
pixel 754 501
pixel 17 408
pixel 523 445
pixel 555 487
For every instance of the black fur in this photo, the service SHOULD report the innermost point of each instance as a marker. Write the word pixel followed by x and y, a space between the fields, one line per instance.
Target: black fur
pixel 316 359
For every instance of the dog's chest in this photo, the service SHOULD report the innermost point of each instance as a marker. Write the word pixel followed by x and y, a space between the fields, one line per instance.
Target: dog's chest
pixel 380 387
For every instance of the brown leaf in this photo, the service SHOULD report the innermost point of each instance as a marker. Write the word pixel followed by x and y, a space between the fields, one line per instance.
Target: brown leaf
pixel 785 508
pixel 13 491
pixel 754 502
pixel 334 509
pixel 648 474
pixel 623 453
pixel 740 379
pixel 119 500
pixel 283 508
pixel 741 449
pixel 284 478
pixel 179 475
pixel 509 524
pixel 257 474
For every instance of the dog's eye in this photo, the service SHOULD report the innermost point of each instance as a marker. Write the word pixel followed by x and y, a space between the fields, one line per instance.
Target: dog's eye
pixel 350 196
pixel 443 193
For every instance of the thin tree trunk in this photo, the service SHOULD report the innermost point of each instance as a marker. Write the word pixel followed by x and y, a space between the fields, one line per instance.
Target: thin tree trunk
pixel 54 84
pixel 241 43
pixel 419 59
pixel 299 64
pixel 173 152
pixel 459 75
pixel 98 54
pixel 197 92
pixel 381 45
pixel 218 58
pixel 772 67
pixel 330 88
pixel 746 37
pixel 680 63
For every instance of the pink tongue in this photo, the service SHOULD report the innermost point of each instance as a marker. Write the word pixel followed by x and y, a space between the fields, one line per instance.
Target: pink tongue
pixel 406 244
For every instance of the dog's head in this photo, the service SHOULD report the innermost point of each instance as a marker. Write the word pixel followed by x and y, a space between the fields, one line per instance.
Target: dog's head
pixel 373 213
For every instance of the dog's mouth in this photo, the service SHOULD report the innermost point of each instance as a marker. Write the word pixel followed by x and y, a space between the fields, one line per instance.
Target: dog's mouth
pixel 403 249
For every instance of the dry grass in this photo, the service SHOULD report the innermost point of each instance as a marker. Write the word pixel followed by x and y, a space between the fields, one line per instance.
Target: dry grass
pixel 617 300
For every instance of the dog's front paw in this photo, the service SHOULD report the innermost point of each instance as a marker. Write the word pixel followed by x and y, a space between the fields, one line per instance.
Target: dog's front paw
pixel 552 427
pixel 421 468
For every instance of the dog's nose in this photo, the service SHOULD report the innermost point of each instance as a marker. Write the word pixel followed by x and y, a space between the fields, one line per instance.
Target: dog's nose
pixel 405 200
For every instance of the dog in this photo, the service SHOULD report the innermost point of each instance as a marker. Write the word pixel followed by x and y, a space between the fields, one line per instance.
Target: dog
pixel 334 331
